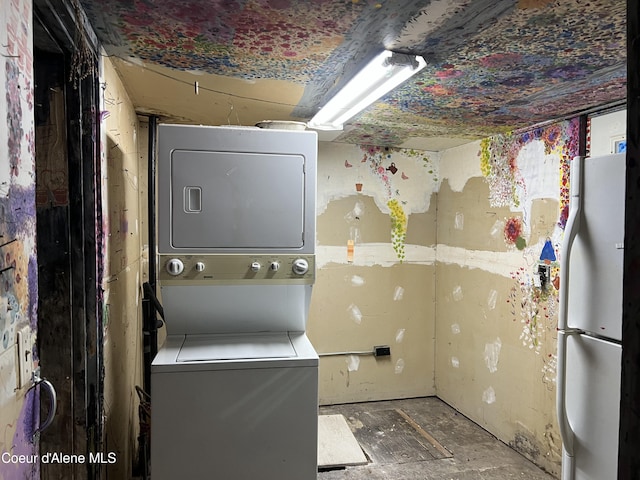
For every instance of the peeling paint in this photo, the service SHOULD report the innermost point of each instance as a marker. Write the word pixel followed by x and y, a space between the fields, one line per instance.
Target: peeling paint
pixel 455 329
pixel 375 254
pixel 455 363
pixel 499 263
pixel 400 335
pixel 357 281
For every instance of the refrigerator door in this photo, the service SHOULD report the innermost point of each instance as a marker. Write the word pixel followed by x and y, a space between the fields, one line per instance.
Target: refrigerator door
pixel 593 399
pixel 595 287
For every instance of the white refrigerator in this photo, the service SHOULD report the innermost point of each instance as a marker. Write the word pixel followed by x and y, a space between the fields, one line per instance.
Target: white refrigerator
pixel 590 319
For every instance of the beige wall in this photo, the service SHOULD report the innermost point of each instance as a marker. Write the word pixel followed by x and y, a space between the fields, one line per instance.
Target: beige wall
pixel 123 186
pixel 495 327
pixel 375 299
pixel 463 313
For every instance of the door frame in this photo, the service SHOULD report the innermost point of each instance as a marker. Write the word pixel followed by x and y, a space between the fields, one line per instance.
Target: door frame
pixel 64 21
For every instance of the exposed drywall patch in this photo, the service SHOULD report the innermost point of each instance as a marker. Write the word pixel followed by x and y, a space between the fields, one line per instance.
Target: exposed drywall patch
pixel 459 164
pixel 455 329
pixel 398 293
pixel 457 293
pixel 455 362
pixel 499 263
pixel 357 281
pixel 489 396
pixel 356 314
pixel 492 299
pixel 458 223
pixel 399 366
pixel 341 167
pixel 540 175
pixel 492 354
pixel 353 363
pixel 400 335
pixel 374 254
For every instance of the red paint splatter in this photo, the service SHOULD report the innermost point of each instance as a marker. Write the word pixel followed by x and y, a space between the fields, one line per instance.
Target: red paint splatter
pixel 513 230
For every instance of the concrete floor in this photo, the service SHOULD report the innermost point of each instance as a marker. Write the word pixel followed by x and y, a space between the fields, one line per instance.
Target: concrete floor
pixel 459 449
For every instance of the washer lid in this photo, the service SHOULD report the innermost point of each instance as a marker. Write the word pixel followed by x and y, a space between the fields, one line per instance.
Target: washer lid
pixel 200 348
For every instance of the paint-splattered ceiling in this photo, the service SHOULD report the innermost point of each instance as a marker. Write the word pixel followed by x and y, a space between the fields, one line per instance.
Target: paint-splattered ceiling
pixel 493 65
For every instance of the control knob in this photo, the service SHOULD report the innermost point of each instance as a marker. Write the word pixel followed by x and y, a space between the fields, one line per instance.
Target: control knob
pixel 175 266
pixel 274 266
pixel 255 267
pixel 200 266
pixel 300 266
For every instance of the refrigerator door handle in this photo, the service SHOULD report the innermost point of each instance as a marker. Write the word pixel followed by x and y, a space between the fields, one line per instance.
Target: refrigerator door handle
pixel 570 233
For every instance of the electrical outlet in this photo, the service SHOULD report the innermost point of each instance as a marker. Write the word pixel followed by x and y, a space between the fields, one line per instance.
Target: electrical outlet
pixel 382 351
pixel 25 360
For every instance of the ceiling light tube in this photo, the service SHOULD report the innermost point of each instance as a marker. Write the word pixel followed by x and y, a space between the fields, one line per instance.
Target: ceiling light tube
pixel 381 75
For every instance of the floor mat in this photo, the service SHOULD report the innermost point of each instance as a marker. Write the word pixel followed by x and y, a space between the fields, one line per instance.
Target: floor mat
pixel 337 447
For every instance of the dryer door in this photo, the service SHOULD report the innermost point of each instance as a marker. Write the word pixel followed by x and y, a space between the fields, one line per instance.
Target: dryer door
pixel 237 200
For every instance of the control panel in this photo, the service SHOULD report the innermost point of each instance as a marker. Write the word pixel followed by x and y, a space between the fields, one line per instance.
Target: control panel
pixel 237 268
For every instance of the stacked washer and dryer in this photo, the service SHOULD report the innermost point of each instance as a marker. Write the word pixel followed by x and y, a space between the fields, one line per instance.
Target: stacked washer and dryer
pixel 234 388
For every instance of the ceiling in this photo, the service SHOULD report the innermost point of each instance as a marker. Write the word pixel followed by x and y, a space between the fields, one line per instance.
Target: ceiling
pixel 493 65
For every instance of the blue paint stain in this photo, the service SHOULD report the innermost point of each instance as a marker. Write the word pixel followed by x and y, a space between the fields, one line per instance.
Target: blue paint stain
pixel 548 253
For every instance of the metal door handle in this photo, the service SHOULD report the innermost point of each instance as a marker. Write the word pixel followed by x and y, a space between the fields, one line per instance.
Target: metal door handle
pixel 53 403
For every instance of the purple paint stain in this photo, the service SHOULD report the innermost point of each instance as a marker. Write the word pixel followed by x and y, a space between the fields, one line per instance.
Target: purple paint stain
pixel 124 226
pixel 23 441
pixel 20 208
pixel 32 282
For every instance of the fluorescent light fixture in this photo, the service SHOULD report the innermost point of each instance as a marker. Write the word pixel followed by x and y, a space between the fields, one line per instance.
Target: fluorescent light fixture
pixel 381 75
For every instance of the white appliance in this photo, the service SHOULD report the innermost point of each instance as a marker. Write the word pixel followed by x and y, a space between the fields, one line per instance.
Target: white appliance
pixel 590 319
pixel 234 389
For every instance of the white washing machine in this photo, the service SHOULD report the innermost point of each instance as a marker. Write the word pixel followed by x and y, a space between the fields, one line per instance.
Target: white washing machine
pixel 234 389
pixel 235 407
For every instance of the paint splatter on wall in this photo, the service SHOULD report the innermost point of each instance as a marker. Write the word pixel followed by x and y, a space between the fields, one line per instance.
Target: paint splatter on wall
pixel 507 182
pixel 517 169
pixel 18 264
pixel 386 165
